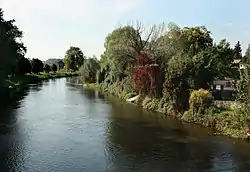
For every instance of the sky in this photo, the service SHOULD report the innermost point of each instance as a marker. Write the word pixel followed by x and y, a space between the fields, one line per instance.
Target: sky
pixel 51 26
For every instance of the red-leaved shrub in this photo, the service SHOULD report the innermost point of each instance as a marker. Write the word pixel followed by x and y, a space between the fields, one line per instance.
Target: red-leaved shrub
pixel 144 74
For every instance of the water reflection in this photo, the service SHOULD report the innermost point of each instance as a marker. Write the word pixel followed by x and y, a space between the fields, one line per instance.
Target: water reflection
pixel 143 143
pixel 60 126
pixel 11 138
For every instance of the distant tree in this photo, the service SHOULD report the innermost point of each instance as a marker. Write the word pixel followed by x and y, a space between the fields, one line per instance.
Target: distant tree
pixel 37 65
pixel 247 54
pixel 54 68
pixel 223 55
pixel 238 51
pixel 74 58
pixel 46 68
pixel 23 66
pixel 61 64
pixel 89 70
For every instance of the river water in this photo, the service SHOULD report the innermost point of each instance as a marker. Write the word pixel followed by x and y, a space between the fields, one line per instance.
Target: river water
pixel 58 126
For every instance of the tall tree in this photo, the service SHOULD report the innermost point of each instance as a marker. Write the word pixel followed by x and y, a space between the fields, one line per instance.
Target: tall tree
pixel 123 44
pixel 89 70
pixel 238 51
pixel 46 68
pixel 247 54
pixel 23 66
pixel 223 56
pixel 196 39
pixel 54 68
pixel 37 65
pixel 74 58
pixel 60 64
pixel 11 47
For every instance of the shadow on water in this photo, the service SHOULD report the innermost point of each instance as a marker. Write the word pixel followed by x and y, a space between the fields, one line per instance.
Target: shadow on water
pixel 83 130
pixel 146 141
pixel 8 116
pixel 148 144
pixel 11 139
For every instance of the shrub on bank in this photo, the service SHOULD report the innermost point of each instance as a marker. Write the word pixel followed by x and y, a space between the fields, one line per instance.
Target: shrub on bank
pixel 201 109
pixel 200 100
pixel 232 122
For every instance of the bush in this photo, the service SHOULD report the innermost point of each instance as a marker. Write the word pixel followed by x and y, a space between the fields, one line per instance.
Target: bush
pixel 200 100
pixel 232 123
pixel 146 101
pixel 207 118
pixel 165 107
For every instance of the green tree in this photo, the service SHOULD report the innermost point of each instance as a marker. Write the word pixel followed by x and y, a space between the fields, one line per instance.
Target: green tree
pixel 196 39
pixel 177 81
pixel 37 66
pixel 60 64
pixel 54 68
pixel 247 54
pixel 89 70
pixel 243 90
pixel 223 56
pixel 123 44
pixel 11 47
pixel 238 51
pixel 23 66
pixel 46 68
pixel 74 58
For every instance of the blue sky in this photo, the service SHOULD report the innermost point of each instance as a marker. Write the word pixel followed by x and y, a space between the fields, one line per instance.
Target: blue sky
pixel 51 26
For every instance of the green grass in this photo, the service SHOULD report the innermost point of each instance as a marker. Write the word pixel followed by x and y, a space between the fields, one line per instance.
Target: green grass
pixel 20 80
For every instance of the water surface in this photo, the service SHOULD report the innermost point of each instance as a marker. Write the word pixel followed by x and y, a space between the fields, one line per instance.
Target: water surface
pixel 58 126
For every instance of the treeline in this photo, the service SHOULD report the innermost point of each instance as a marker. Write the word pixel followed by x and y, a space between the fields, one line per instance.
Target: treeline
pixel 167 61
pixel 76 61
pixel 12 56
pixel 11 50
pixel 173 69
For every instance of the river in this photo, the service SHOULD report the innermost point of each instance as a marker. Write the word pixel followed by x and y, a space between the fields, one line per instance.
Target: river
pixel 58 126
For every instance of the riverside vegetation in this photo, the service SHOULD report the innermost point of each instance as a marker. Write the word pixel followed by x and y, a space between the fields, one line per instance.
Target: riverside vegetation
pixel 169 67
pixel 172 69
pixel 17 71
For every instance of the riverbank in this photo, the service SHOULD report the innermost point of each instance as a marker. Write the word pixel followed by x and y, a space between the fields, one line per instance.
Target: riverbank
pixel 219 120
pixel 15 83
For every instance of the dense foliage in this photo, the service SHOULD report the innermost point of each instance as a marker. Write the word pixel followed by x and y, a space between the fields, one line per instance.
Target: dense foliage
pixel 11 47
pixel 37 66
pixel 89 70
pixel 163 64
pixel 144 75
pixel 46 68
pixel 54 68
pixel 23 66
pixel 74 58
pixel 200 100
pixel 167 61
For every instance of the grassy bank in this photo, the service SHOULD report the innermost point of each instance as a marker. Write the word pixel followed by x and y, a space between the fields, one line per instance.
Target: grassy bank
pixel 15 83
pixel 223 121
